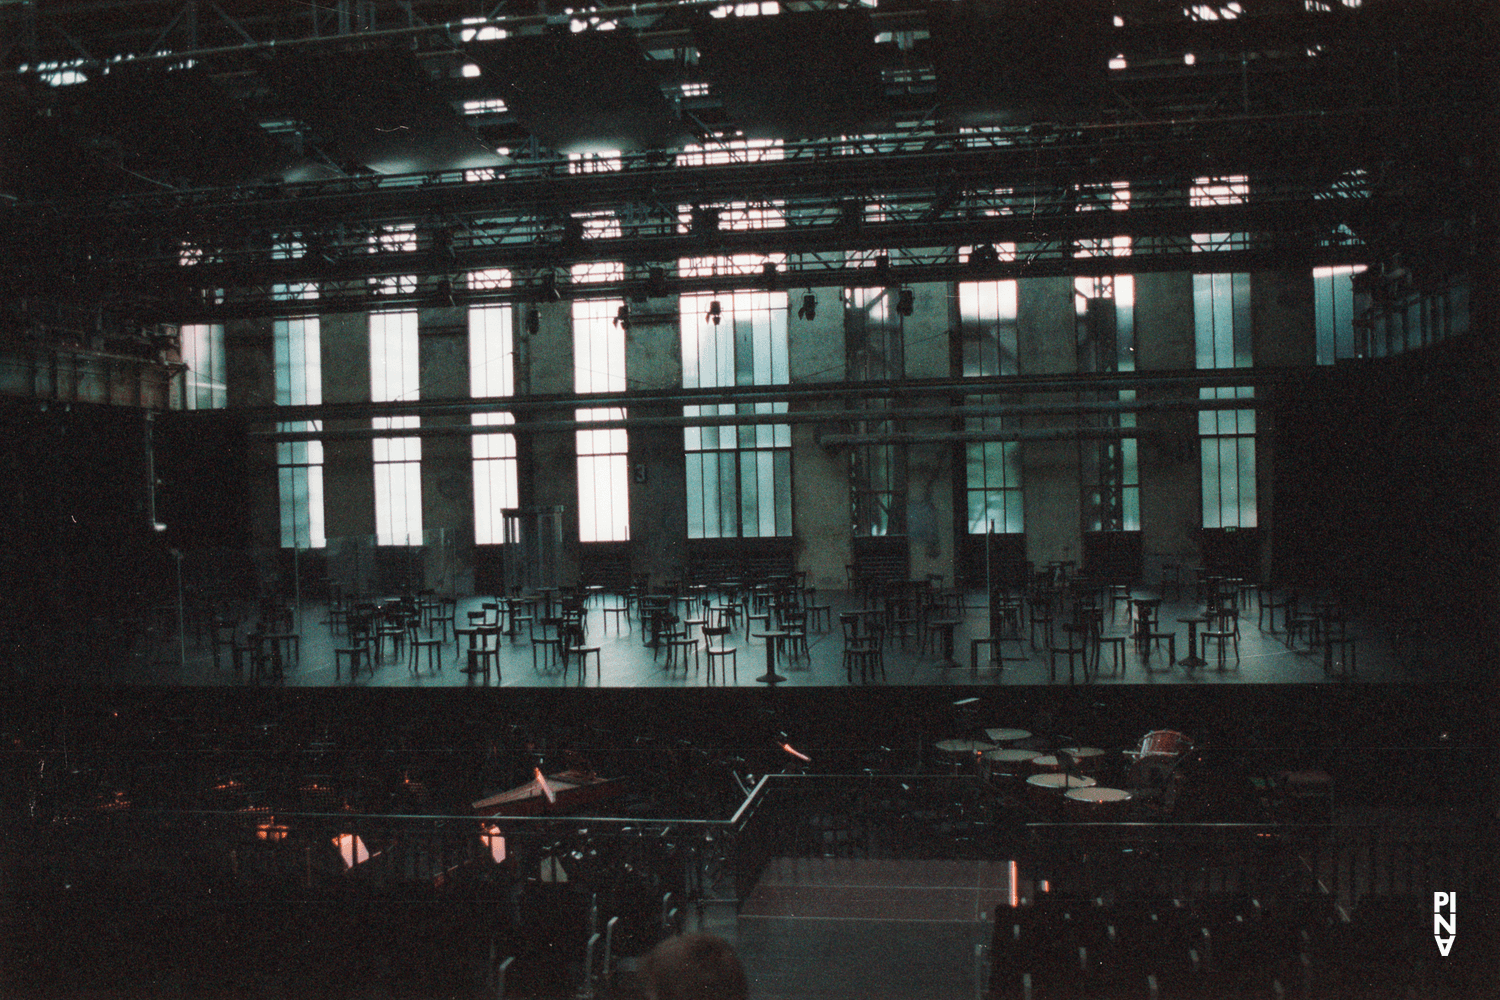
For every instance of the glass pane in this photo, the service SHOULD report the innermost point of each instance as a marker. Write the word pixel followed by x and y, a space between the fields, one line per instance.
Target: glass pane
pixel 695 496
pixel 1323 314
pixel 588 502
pixel 749 496
pixel 765 466
pixel 1132 507
pixel 728 505
pixel 1210 465
pixel 1229 482
pixel 1247 495
pixel 782 475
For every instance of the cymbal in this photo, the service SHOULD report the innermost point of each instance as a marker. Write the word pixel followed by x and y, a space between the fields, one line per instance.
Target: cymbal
pixel 1009 754
pixel 1007 735
pixel 1083 752
pixel 964 746
pixel 1058 781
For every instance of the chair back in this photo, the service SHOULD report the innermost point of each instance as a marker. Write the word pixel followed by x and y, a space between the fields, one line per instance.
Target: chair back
pixel 712 632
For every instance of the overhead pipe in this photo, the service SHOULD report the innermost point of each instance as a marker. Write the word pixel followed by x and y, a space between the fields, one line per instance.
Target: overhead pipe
pixel 906 389
pixel 755 419
pixel 939 437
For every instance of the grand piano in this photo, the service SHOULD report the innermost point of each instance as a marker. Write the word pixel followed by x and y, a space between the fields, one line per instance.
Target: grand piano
pixel 553 794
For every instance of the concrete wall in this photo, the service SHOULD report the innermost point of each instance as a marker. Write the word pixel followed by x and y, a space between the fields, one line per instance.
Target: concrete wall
pixel 1046 343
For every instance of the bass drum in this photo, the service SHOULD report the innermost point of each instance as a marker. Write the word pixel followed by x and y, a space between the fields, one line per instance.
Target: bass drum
pixel 1165 741
pixel 1153 771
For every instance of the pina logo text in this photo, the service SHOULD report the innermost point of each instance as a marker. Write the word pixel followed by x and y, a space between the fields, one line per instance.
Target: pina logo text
pixel 1445 920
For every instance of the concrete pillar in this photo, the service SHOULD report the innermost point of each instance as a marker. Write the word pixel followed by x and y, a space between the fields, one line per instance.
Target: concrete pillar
pixel 1284 331
pixel 548 462
pixel 1046 342
pixel 249 370
pixel 1170 468
pixel 348 465
pixel 658 488
pixel 447 462
pixel 820 477
pixel 930 520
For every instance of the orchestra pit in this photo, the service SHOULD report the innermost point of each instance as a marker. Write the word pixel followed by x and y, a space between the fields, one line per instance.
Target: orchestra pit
pixel 953 498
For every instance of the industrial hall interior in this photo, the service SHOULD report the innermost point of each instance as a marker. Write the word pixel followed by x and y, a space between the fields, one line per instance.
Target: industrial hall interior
pixel 956 498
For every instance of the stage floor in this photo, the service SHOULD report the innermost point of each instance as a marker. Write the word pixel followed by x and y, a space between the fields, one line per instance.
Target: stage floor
pixel 625 661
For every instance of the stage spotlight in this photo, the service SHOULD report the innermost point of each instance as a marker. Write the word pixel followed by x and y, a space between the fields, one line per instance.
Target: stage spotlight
pixel 533 321
pixel 656 283
pixel 622 317
pixel 549 289
pixel 715 312
pixel 705 221
pixel 984 256
pixel 809 310
pixel 904 302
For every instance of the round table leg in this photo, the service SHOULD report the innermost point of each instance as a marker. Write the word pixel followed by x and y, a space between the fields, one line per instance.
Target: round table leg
pixel 771 676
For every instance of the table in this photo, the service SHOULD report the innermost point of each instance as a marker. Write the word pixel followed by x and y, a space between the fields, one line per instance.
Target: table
pixel 1192 659
pixel 772 637
pixel 269 647
pixel 656 610
pixel 1145 617
pixel 477 644
pixel 946 626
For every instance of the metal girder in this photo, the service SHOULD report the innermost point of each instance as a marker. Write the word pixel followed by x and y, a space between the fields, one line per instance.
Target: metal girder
pixel 1178 389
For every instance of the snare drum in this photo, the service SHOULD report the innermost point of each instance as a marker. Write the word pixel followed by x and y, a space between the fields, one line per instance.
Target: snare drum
pixel 1005 765
pixel 1165 741
pixel 1095 805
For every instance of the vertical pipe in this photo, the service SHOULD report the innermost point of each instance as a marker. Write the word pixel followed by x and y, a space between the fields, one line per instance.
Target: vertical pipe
pixel 588 965
pixel 609 948
pixel 500 977
pixel 181 616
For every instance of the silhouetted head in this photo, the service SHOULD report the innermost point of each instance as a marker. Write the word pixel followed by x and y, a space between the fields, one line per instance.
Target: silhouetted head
pixel 693 967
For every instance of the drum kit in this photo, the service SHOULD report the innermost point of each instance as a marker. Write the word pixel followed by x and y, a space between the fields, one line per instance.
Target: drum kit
pixel 1065 783
pixel 1153 765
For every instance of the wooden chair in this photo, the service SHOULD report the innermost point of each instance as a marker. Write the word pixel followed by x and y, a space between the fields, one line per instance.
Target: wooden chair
pixel 1227 620
pixel 718 654
pixel 415 644
pixel 864 651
